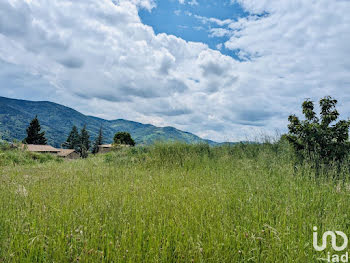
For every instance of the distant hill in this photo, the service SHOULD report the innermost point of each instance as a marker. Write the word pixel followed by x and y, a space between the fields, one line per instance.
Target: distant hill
pixel 57 120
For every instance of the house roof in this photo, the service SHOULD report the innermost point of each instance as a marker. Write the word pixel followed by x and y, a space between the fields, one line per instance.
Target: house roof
pixel 106 146
pixel 65 152
pixel 111 145
pixel 41 148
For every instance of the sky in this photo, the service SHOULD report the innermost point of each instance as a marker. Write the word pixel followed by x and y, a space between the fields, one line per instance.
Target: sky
pixel 225 70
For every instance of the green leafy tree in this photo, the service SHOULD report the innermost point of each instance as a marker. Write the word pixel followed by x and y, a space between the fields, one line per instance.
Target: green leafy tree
pixel 98 141
pixel 124 138
pixel 317 138
pixel 73 140
pixel 84 142
pixel 34 134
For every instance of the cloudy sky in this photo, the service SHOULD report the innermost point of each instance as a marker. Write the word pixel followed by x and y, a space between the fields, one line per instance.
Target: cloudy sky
pixel 224 70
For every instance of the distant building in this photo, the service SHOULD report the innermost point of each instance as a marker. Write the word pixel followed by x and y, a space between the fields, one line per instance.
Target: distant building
pixel 68 154
pixel 105 148
pixel 64 153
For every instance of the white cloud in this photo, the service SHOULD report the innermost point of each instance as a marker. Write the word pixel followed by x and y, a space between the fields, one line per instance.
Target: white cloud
pixel 206 20
pixel 220 32
pixel 98 57
pixel 219 46
pixel 177 12
pixel 193 2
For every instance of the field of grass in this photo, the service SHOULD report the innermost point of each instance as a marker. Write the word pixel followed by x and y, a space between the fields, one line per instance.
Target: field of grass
pixel 169 203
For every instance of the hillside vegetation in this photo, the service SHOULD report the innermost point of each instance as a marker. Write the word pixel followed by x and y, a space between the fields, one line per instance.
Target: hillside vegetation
pixel 57 121
pixel 171 203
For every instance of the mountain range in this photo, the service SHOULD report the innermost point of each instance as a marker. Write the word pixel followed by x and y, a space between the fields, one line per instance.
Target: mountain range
pixel 57 121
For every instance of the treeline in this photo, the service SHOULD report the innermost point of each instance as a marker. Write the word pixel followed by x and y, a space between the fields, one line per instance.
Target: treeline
pixel 81 143
pixel 77 140
pixel 319 140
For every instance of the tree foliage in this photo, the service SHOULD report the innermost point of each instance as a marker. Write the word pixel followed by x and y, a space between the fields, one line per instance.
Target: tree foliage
pixel 317 136
pixel 34 134
pixel 84 142
pixel 124 138
pixel 98 141
pixel 73 140
pixel 79 142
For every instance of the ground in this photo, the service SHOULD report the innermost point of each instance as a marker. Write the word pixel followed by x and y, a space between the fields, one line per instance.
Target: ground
pixel 169 203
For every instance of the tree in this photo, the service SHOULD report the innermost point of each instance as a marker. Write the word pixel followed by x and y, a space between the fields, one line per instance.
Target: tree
pixel 316 138
pixel 34 134
pixel 73 140
pixel 84 142
pixel 98 141
pixel 123 138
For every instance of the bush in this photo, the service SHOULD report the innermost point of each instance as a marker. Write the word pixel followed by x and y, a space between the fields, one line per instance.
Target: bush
pixel 4 146
pixel 315 138
pixel 124 138
pixel 179 154
pixel 10 156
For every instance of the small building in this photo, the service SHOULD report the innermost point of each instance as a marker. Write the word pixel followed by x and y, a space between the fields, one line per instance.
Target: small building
pixel 64 153
pixel 105 148
pixel 40 148
pixel 68 154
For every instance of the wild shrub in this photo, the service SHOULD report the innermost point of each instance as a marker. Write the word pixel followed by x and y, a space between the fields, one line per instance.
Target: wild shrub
pixel 19 157
pixel 5 146
pixel 319 139
pixel 124 138
pixel 173 154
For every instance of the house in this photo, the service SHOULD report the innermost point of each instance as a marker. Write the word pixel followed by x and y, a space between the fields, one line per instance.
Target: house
pixel 68 154
pixel 40 148
pixel 64 153
pixel 105 148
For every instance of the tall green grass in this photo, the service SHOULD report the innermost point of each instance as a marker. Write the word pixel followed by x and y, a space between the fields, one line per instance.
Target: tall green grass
pixel 13 157
pixel 170 203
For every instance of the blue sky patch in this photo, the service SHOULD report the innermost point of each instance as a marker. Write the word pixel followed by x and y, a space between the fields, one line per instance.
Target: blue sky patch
pixel 190 20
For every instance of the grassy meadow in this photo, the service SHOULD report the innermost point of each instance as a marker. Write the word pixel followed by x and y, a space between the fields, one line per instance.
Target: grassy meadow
pixel 169 203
